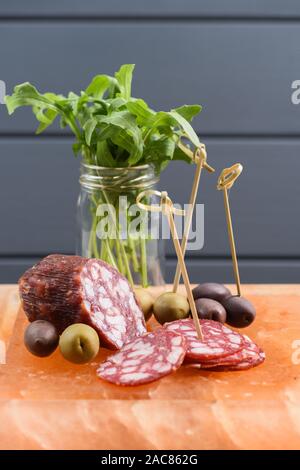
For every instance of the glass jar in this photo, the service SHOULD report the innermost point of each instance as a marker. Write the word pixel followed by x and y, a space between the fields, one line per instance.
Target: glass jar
pixel 111 227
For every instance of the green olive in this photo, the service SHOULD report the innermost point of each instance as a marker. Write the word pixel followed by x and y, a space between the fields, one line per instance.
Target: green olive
pixel 145 301
pixel 79 343
pixel 170 306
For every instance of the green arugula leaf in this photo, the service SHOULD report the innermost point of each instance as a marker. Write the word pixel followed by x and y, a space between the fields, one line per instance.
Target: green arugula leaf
pixel 75 102
pixel 116 103
pixel 48 117
pixel 180 155
pixel 27 95
pixel 164 119
pixel 62 122
pixel 89 128
pixel 99 85
pixel 104 156
pixel 159 149
pixel 124 78
pixel 122 129
pixel 121 119
pixel 187 128
pixel 77 147
pixel 39 114
pixel 144 115
pixel 188 112
pixel 167 121
pixel 59 99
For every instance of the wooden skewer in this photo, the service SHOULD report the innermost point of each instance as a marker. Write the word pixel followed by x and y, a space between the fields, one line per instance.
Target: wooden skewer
pixel 232 243
pixel 225 182
pixel 185 275
pixel 200 156
pixel 167 208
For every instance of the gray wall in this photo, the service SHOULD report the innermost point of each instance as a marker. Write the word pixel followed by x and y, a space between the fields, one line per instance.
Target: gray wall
pixel 237 58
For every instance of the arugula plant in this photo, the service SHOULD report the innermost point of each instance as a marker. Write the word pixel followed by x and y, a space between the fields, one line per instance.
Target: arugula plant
pixel 113 129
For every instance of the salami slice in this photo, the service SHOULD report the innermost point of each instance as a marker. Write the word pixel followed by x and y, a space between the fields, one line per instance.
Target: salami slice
pixel 244 365
pixel 71 289
pixel 218 340
pixel 249 354
pixel 145 359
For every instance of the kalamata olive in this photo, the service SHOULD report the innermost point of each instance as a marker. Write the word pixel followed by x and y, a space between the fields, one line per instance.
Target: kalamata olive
pixel 240 312
pixel 145 301
pixel 170 306
pixel 210 309
pixel 79 343
pixel 211 290
pixel 41 338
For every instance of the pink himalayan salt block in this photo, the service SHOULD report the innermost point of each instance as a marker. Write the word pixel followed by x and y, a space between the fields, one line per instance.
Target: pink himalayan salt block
pixel 52 404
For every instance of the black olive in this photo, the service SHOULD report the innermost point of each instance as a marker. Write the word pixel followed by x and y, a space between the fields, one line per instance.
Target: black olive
pixel 41 338
pixel 211 310
pixel 211 290
pixel 240 312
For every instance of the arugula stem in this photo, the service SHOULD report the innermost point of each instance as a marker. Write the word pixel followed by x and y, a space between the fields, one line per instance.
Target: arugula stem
pixel 144 262
pixel 119 258
pixel 105 246
pixel 74 129
pixel 126 261
pixel 95 246
pixel 110 254
pixel 90 245
pixel 148 133
pixel 70 119
pixel 118 241
pixel 135 263
pixel 103 252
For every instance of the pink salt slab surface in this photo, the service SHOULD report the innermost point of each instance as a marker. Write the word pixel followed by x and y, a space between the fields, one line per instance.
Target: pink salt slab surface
pixel 52 404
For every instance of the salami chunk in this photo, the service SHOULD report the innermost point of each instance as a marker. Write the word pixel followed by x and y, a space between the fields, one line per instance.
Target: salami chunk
pixel 218 340
pixel 145 359
pixel 249 356
pixel 71 289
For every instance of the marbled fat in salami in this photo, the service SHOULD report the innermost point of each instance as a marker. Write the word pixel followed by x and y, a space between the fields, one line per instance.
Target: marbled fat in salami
pixel 218 340
pixel 249 356
pixel 145 359
pixel 71 289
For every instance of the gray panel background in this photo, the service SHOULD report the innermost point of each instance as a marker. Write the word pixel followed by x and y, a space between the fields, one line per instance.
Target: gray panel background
pixel 159 8
pixel 240 72
pixel 238 59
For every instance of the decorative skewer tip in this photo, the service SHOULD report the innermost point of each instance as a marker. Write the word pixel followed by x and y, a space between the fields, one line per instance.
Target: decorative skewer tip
pixel 228 176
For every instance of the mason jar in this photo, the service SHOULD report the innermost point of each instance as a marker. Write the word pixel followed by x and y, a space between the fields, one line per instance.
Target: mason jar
pixel 111 227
